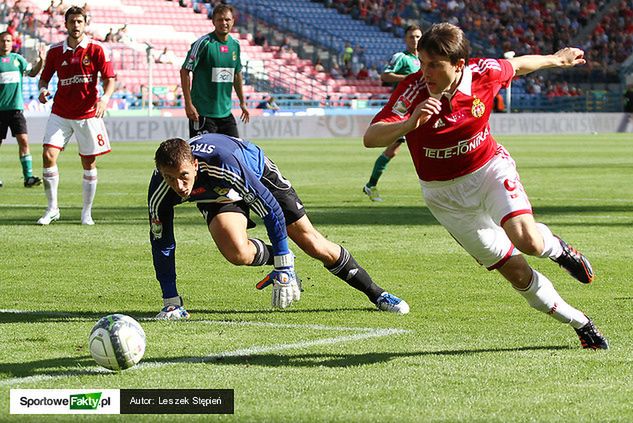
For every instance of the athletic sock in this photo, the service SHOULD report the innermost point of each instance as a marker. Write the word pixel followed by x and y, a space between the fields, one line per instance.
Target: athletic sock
pixel 264 254
pixel 89 189
pixel 27 166
pixel 542 296
pixel 551 244
pixel 348 270
pixel 379 168
pixel 51 182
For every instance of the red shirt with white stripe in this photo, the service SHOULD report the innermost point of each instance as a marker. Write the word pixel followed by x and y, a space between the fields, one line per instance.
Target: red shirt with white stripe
pixel 457 141
pixel 78 71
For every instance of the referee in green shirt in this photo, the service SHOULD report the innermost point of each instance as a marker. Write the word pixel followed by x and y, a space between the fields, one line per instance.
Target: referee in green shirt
pixel 400 66
pixel 12 68
pixel 214 60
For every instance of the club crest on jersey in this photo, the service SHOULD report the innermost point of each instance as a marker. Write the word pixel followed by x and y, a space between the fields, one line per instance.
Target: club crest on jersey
pixel 86 61
pixel 401 106
pixel 157 228
pixel 221 191
pixel 478 109
pixel 249 198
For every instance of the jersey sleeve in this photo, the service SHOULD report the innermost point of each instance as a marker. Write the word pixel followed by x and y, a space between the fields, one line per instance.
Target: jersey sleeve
pixel 238 65
pixel 49 67
pixel 399 106
pixel 25 66
pixel 498 71
pixel 160 204
pixel 191 60
pixel 105 58
pixel 395 64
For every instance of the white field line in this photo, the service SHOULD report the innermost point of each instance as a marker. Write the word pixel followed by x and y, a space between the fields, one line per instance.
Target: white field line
pixel 362 333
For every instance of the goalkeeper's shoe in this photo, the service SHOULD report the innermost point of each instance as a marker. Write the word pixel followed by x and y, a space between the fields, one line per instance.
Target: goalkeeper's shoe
pixel 392 304
pixel 372 193
pixel 32 181
pixel 591 338
pixel 172 312
pixel 575 263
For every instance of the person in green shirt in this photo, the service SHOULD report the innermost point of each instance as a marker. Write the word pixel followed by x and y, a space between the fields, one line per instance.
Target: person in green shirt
pixel 400 66
pixel 214 60
pixel 12 68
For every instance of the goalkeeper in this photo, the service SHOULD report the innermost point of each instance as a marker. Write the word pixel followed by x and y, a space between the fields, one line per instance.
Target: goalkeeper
pixel 227 178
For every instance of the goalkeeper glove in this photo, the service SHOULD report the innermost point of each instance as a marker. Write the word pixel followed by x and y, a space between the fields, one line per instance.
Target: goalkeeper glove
pixel 284 281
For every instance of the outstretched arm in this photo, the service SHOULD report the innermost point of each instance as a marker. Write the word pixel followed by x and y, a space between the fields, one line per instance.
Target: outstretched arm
pixel 564 58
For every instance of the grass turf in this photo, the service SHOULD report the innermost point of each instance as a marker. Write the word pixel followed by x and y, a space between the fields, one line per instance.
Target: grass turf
pixel 472 351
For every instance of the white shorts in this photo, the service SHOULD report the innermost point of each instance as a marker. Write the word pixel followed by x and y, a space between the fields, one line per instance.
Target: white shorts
pixel 91 134
pixel 473 207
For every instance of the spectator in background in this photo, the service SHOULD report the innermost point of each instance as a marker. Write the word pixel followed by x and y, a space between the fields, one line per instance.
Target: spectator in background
pixel 335 71
pixel 373 73
pixel 109 37
pixel 348 54
pixel 318 66
pixel 628 99
pixel 259 39
pixel 122 36
pixel 268 104
pixel 498 105
pixel 363 73
pixel 167 56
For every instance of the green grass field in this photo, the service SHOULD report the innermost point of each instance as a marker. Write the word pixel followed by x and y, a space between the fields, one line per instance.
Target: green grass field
pixel 470 350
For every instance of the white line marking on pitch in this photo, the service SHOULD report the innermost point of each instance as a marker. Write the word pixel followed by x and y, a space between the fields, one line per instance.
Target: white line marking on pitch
pixel 365 333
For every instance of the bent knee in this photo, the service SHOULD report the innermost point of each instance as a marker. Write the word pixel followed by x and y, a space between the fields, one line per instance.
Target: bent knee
pixel 238 257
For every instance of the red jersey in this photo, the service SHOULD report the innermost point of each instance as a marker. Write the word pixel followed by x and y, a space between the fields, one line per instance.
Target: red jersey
pixel 77 70
pixel 458 140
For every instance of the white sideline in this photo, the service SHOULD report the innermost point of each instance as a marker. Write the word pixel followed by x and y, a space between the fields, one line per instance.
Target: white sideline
pixel 362 333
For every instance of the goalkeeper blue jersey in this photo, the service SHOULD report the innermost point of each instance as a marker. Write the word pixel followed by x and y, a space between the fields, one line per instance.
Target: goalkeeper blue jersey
pixel 229 170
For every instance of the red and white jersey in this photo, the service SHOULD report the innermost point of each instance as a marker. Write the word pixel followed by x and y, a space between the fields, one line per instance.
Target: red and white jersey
pixel 458 140
pixel 78 72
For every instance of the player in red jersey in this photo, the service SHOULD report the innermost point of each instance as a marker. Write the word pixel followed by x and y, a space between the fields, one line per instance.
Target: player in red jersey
pixel 77 110
pixel 470 182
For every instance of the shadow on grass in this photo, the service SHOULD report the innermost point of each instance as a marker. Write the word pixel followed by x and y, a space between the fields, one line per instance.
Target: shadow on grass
pixel 9 316
pixel 85 366
pixel 344 215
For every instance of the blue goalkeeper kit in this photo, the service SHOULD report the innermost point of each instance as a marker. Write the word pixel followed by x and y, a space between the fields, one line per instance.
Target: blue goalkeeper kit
pixel 229 170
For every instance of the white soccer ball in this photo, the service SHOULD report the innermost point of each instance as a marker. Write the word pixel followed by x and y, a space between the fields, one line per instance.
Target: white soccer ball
pixel 117 342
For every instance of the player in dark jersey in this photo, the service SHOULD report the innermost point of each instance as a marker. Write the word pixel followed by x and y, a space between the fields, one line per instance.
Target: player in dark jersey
pixel 228 177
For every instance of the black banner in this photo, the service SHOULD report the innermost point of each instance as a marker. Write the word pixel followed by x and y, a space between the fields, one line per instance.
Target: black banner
pixel 177 401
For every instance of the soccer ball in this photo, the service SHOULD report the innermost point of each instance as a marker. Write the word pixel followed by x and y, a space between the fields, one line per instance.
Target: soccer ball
pixel 117 342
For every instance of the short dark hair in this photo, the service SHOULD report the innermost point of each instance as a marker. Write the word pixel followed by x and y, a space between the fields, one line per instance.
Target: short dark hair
pixel 75 10
pixel 172 153
pixel 413 27
pixel 445 39
pixel 221 8
pixel 3 33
